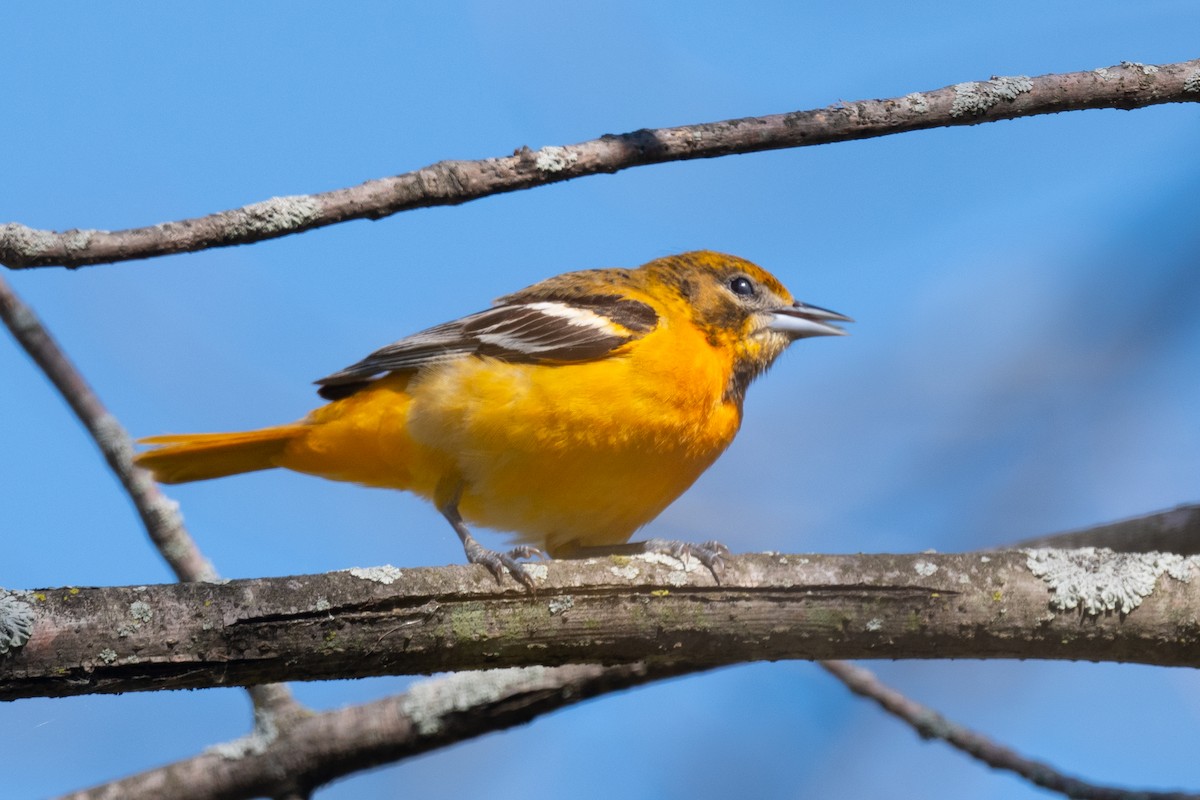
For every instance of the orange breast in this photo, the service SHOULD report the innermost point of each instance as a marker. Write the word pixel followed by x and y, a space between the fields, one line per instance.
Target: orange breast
pixel 560 455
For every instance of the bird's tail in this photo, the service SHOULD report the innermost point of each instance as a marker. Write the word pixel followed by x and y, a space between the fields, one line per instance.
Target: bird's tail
pixel 185 457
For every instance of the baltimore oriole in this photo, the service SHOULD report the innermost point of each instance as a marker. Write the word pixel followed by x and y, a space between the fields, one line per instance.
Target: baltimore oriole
pixel 570 413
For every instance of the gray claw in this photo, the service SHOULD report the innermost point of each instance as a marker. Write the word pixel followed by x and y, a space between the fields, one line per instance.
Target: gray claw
pixel 710 553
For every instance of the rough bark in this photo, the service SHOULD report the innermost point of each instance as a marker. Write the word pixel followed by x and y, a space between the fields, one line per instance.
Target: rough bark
pixel 1087 604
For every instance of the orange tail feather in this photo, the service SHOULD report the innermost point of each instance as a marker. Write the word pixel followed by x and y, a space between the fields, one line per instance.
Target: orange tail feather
pixel 200 456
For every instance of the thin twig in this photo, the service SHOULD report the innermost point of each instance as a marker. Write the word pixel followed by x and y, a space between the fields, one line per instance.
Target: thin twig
pixel 159 514
pixel 1126 86
pixel 929 724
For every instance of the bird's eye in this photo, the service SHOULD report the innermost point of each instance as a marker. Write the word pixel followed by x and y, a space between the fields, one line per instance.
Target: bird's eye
pixel 742 285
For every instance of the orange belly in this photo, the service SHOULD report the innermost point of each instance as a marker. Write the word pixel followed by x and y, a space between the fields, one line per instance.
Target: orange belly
pixel 578 454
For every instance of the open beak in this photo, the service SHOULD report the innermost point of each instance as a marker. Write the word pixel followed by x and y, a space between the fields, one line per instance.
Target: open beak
pixel 800 320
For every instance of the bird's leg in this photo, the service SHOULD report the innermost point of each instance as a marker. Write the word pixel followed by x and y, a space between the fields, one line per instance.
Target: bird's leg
pixel 496 562
pixel 711 554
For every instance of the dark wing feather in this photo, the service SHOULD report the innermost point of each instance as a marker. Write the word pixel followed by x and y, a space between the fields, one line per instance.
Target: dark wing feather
pixel 541 330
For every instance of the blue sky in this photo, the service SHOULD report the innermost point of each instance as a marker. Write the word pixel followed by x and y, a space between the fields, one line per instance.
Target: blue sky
pixel 1023 361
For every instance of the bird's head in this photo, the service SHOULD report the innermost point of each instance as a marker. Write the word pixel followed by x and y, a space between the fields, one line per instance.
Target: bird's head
pixel 742 307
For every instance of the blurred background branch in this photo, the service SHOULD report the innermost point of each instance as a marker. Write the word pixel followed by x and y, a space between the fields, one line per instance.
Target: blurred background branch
pixel 432 714
pixel 929 724
pixel 440 712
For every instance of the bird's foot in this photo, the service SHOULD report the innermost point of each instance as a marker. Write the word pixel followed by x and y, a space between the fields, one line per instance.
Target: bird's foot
pixel 497 562
pixel 711 553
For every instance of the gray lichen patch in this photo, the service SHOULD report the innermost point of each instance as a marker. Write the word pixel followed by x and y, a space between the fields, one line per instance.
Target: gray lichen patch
pixel 265 732
pixel 558 605
pixel 1009 87
pixel 674 562
pixel 917 103
pixel 77 241
pixel 16 621
pixel 975 98
pixel 277 214
pixel 1097 580
pixel 539 572
pixel 29 242
pixel 1145 69
pixel 140 611
pixel 427 703
pixel 387 574
pixel 555 159
pixel 1192 82
pixel 626 571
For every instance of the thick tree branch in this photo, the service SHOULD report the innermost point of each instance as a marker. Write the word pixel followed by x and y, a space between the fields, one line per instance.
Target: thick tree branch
pixel 310 751
pixel 1086 605
pixel 1125 86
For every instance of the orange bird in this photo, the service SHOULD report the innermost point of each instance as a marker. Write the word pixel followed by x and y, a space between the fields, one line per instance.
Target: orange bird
pixel 571 413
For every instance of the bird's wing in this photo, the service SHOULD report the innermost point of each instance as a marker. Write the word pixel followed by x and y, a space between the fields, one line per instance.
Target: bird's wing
pixel 540 329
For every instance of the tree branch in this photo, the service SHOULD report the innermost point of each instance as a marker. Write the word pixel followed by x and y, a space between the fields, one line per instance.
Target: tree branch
pixel 1126 86
pixel 443 711
pixel 316 750
pixel 323 748
pixel 159 514
pixel 1174 531
pixel 1086 604
pixel 932 725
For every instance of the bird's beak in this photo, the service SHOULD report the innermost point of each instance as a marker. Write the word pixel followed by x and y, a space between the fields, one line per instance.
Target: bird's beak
pixel 800 320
